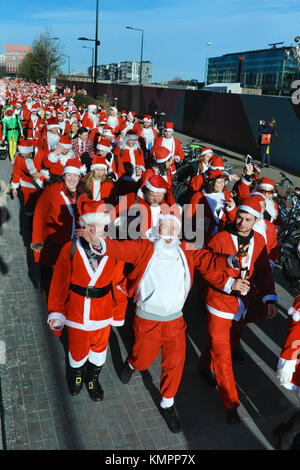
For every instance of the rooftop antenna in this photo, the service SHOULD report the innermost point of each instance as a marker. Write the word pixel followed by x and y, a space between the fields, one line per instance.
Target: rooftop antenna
pixel 274 44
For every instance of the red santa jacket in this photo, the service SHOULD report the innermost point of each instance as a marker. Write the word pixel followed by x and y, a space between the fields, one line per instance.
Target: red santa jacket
pixel 289 356
pixel 34 129
pixel 23 170
pixel 216 211
pixel 139 253
pixel 131 158
pixel 103 191
pixel 221 301
pixel 75 310
pixel 54 221
pixel 175 148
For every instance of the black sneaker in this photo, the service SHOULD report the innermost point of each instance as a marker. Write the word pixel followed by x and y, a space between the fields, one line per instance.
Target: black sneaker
pixel 126 373
pixel 171 419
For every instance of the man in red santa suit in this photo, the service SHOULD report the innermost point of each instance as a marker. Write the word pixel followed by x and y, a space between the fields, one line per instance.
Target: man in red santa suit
pixel 288 370
pixel 142 208
pixel 64 123
pixel 114 121
pixel 81 298
pixel 54 220
pixel 49 140
pixel 132 158
pixel 266 186
pixel 247 296
pixel 90 119
pixel 28 175
pixel 160 281
pixel 170 142
pixel 131 124
pixel 147 136
pixel 35 124
pixel 56 161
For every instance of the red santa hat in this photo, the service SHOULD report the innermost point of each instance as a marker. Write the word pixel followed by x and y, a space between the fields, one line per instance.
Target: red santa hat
pixel 114 108
pixel 161 154
pixel 216 163
pixel 104 144
pixel 99 162
pixel 73 165
pixel 123 113
pixel 132 114
pixel 107 131
pixel 251 205
pixel 294 310
pixel 25 146
pixel 35 107
pixel 169 126
pixel 92 107
pixel 156 183
pixel 214 174
pixel 147 118
pixel 92 212
pixel 266 183
pixel 102 117
pixel 65 141
pixel 205 151
pixel 52 123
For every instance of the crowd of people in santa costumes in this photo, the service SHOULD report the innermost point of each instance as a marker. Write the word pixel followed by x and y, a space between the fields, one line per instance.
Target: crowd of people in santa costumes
pixel 109 238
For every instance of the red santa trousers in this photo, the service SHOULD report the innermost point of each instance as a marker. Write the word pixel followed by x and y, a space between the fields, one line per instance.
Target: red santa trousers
pixel 167 336
pixel 87 345
pixel 224 336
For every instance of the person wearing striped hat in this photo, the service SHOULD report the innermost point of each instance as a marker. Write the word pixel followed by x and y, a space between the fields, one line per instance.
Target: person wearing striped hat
pixel 248 296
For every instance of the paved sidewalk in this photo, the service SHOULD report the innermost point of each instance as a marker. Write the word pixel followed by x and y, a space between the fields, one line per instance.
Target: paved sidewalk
pixel 39 413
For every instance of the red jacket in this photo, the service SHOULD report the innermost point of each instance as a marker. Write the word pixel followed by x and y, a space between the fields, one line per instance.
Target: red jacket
pixel 139 253
pixel 223 302
pixel 75 310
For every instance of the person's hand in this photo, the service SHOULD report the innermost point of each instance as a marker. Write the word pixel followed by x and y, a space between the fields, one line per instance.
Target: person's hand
pixel 58 149
pixel 37 247
pixel 14 192
pixel 230 203
pixel 88 236
pixel 55 324
pixel 241 285
pixel 271 310
pixel 138 170
pixel 234 177
pixel 285 374
pixel 249 169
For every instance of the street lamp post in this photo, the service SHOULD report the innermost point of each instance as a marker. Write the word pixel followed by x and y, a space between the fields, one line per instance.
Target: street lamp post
pixel 97 43
pixel 93 53
pixel 142 47
pixel 69 64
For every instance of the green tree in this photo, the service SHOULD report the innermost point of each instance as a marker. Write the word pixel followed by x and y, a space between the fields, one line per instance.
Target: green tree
pixel 44 61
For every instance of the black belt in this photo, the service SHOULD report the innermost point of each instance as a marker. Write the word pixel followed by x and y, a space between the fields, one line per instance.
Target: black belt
pixel 13 129
pixel 91 292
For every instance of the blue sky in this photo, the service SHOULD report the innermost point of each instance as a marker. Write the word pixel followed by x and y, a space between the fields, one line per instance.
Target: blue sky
pixel 176 32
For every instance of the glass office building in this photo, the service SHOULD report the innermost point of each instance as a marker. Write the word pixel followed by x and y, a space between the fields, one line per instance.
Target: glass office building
pixel 271 70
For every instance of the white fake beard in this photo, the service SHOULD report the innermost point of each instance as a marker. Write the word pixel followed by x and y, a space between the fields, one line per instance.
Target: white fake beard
pixel 64 158
pixel 165 250
pixel 112 121
pixel 29 106
pixel 94 117
pixel 53 140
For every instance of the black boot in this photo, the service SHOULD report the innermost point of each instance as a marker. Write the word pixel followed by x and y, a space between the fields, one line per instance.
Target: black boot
pixel 171 419
pixel 91 381
pixel 75 379
pixel 126 373
pixel 232 416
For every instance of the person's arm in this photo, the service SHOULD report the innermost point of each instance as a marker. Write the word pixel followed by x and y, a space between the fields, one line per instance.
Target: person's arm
pixel 41 212
pixel 59 287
